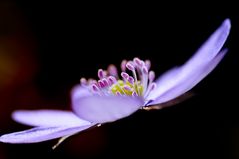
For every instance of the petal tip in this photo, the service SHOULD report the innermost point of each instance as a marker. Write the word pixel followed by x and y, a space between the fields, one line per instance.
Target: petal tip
pixel 15 114
pixel 227 24
pixel 4 139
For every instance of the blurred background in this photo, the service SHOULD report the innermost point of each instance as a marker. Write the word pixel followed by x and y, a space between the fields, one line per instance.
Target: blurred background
pixel 45 48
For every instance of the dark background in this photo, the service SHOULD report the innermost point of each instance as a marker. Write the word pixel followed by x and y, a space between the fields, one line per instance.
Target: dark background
pixel 47 47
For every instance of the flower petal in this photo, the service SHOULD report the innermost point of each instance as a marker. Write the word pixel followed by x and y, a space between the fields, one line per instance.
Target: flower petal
pixel 101 109
pixel 39 134
pixel 196 67
pixel 186 85
pixel 48 118
pixel 80 91
pixel 212 46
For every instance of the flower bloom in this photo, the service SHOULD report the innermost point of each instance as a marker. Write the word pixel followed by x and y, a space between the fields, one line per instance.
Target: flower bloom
pixel 115 96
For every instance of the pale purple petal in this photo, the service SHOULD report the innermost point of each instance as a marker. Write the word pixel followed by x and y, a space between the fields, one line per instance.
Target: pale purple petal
pixel 39 134
pixel 48 118
pixel 212 46
pixel 101 109
pixel 186 85
pixel 194 68
pixel 80 91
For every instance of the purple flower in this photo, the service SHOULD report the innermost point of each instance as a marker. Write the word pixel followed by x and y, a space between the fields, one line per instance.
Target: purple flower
pixel 116 96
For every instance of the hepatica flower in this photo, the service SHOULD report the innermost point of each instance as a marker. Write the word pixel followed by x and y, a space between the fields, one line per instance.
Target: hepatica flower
pixel 115 96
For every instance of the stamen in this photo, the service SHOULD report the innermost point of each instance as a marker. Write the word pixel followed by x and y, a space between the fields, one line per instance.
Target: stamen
pixel 118 93
pixel 125 76
pixel 136 81
pixel 137 61
pixel 142 63
pixel 123 65
pixel 100 73
pixel 128 88
pixel 122 89
pixel 134 94
pixel 112 80
pixel 101 84
pixel 145 70
pixel 112 70
pixel 92 81
pixel 130 66
pixel 144 77
pixel 105 73
pixel 151 75
pixel 95 88
pixel 148 64
pixel 131 80
pixel 83 81
pixel 105 82
pixel 151 87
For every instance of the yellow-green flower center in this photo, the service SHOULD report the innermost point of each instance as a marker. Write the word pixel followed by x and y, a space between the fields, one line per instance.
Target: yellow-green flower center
pixel 126 88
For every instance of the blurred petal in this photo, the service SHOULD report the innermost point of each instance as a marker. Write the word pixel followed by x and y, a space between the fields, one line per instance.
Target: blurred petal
pixel 101 109
pixel 48 118
pixel 40 134
pixel 80 91
pixel 191 81
pixel 194 67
